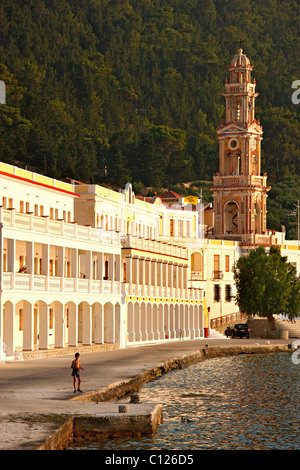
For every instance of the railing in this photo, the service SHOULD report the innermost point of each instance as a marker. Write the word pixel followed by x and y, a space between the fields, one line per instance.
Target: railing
pixel 18 220
pixel 154 246
pixel 217 275
pixel 41 283
pixel 227 319
pixel 142 290
pixel 241 180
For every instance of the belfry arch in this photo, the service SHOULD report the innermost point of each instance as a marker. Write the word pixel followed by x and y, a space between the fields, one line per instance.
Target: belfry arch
pixel 230 217
pixel 257 217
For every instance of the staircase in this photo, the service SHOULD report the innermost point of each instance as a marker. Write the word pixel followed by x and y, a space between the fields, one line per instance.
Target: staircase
pixel 292 328
pixel 214 334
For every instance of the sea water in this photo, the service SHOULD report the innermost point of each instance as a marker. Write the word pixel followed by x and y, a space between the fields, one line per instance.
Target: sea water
pixel 245 402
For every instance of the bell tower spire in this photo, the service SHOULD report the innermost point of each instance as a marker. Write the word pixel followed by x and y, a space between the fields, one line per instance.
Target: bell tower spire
pixel 239 190
pixel 240 91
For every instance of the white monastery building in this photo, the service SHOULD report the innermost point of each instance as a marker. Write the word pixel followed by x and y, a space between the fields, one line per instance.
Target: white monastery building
pixel 81 264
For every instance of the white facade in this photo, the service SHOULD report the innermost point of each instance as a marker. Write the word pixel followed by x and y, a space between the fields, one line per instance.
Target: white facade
pixel 60 282
pixel 84 265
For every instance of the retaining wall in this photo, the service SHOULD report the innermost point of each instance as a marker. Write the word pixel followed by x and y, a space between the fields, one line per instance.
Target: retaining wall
pixel 91 427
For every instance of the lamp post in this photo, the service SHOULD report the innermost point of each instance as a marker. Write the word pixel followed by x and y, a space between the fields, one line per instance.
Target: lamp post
pixel 298 231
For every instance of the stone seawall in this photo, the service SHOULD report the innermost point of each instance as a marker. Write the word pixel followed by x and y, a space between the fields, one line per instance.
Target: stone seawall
pixel 140 421
pixel 120 389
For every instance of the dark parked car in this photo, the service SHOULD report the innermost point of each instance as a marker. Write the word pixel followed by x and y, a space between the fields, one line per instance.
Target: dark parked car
pixel 241 329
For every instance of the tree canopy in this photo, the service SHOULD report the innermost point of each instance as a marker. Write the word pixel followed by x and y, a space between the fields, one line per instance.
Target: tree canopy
pixel 266 284
pixel 94 86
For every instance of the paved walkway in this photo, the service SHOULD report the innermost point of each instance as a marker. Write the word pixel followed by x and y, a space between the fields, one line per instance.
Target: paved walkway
pixel 46 384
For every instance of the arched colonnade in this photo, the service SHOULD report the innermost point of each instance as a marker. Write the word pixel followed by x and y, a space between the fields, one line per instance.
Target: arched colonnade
pixel 31 326
pixel 148 321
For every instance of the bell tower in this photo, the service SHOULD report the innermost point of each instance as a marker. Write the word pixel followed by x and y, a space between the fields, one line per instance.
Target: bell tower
pixel 239 190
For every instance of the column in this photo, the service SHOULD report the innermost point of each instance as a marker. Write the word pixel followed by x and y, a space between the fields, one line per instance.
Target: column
pixel 73 325
pixel 129 273
pixel 148 276
pixel 11 256
pixel 86 324
pixel 74 266
pixel 160 278
pixel 89 268
pixel 44 325
pixel 59 340
pixel 8 336
pixel 111 270
pixel 61 265
pixel 100 270
pixel 118 269
pixel 142 275
pixel 45 264
pixel 98 312
pixel 30 262
pixel 136 274
pixel 27 326
pixel 166 266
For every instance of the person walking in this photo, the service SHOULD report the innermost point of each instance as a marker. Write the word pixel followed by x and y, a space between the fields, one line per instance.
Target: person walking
pixel 76 367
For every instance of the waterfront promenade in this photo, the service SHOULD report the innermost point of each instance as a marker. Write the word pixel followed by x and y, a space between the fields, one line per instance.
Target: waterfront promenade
pixel 44 385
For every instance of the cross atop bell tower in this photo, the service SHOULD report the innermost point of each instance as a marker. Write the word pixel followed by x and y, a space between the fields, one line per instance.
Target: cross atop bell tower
pixel 239 189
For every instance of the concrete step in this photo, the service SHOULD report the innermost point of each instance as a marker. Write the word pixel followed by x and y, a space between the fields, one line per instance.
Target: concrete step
pixel 59 352
pixel 216 334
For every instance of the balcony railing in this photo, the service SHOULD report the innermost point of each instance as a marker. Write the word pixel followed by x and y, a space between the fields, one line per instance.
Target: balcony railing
pixel 141 290
pixel 18 220
pixel 217 275
pixel 154 246
pixel 40 283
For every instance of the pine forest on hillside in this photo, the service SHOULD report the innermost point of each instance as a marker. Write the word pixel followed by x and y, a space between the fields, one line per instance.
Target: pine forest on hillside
pixel 111 91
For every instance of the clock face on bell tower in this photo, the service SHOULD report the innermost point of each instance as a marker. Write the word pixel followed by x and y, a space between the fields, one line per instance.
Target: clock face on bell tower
pixel 239 189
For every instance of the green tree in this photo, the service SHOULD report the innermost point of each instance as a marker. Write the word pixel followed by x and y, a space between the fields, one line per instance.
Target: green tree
pixel 117 171
pixel 293 306
pixel 265 283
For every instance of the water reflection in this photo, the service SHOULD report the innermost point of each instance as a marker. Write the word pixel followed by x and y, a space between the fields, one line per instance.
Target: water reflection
pixel 241 402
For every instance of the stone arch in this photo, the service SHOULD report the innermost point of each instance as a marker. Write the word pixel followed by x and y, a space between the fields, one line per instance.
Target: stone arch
pixel 197 265
pixel 230 217
pixel 57 320
pixel 39 311
pixel 257 217
pixel 72 323
pixel 97 320
pixel 84 323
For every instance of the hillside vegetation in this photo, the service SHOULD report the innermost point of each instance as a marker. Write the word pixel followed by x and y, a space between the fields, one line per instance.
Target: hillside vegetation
pixel 110 91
